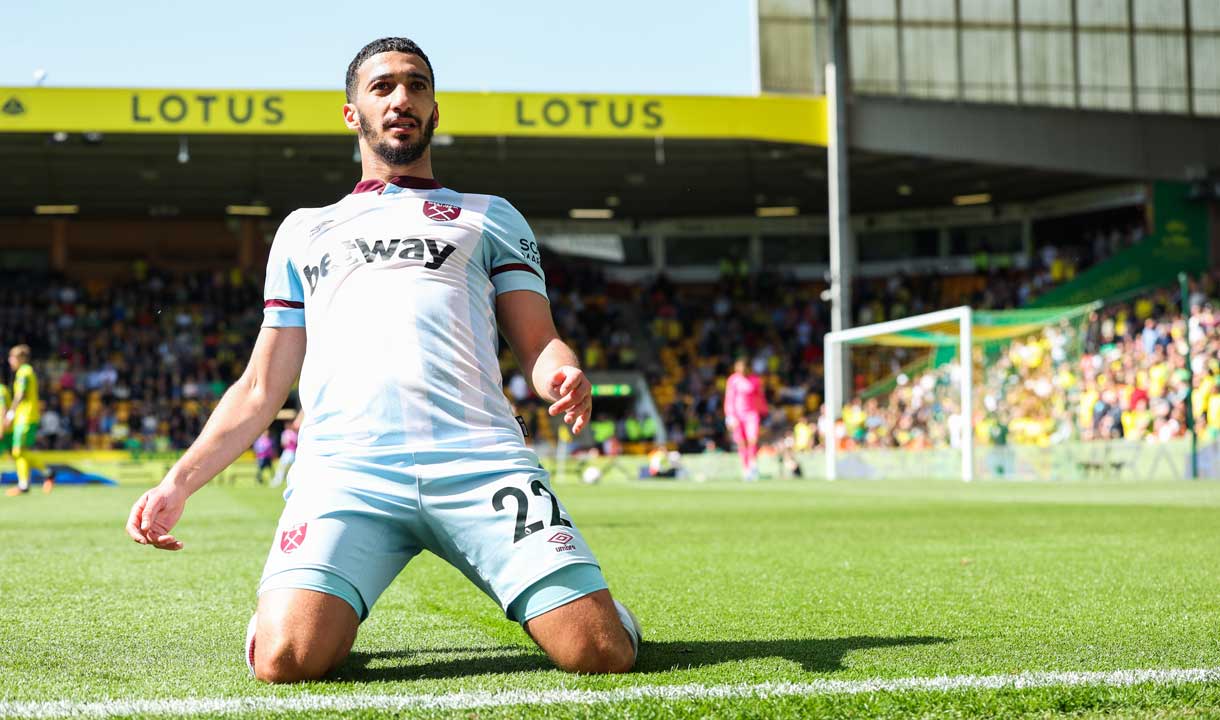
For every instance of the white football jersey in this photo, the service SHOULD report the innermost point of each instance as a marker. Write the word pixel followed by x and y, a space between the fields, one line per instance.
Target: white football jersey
pixel 395 286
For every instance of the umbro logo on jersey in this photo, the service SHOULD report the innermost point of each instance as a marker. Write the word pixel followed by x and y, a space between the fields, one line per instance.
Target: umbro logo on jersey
pixel 441 212
pixel 319 228
pixel 13 106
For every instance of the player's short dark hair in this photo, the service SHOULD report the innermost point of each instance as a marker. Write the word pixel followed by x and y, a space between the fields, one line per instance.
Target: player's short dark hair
pixel 386 44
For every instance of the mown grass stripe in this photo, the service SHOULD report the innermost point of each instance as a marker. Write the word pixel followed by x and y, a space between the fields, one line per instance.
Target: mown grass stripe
pixel 471 700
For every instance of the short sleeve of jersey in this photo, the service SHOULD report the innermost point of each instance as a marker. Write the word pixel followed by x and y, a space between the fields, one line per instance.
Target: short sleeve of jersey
pixel 510 252
pixel 21 382
pixel 283 295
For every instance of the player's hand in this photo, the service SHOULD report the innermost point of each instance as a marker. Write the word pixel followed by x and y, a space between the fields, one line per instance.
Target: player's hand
pixel 730 422
pixel 155 514
pixel 575 394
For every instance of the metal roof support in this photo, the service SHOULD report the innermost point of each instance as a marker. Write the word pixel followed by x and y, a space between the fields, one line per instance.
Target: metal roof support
pixel 842 244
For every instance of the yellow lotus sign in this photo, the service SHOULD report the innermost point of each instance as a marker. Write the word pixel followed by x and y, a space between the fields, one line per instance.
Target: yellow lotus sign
pixel 308 112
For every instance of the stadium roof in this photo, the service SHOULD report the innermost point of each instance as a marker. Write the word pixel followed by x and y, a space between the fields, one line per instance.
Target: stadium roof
pixel 119 153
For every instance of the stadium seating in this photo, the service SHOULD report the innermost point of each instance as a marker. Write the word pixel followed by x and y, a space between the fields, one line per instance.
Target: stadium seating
pixel 135 364
pixel 140 363
pixel 1120 374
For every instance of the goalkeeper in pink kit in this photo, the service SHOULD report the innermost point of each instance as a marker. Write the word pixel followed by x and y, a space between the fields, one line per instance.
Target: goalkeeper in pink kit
pixel 744 406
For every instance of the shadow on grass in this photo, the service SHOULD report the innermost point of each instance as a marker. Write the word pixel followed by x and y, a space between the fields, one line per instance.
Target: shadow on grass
pixel 814 655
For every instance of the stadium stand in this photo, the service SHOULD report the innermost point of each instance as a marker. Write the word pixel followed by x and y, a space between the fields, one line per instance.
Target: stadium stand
pixel 133 364
pixel 139 363
pixel 1122 374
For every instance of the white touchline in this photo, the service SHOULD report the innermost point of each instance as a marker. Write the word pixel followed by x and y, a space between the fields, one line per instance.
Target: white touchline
pixel 468 700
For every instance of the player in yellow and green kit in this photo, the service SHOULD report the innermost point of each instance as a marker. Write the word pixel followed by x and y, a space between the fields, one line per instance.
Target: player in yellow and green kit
pixel 6 402
pixel 23 418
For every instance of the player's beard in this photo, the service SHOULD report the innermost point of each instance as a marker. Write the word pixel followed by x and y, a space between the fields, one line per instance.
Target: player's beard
pixel 396 154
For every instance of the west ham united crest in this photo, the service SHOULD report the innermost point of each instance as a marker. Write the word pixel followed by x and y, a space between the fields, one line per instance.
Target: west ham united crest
pixel 441 212
pixel 292 538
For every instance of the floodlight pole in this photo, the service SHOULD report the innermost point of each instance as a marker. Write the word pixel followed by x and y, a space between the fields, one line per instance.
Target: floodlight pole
pixel 837 370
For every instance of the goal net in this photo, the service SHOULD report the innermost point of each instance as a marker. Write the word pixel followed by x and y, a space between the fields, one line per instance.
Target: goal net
pixel 946 403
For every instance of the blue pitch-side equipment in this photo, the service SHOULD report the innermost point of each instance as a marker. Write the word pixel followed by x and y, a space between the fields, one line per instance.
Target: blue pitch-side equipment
pixel 64 475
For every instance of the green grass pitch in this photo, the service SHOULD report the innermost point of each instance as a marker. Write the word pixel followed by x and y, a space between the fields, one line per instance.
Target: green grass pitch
pixel 737 586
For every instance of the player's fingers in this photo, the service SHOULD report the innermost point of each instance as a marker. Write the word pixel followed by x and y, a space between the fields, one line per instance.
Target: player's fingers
pixel 579 415
pixel 572 409
pixel 157 530
pixel 573 381
pixel 142 518
pixel 168 542
pixel 579 424
pixel 152 505
pixel 579 395
pixel 562 404
pixel 136 519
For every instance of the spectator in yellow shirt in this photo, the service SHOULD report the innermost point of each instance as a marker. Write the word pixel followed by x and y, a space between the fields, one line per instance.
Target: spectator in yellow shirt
pixel 802 435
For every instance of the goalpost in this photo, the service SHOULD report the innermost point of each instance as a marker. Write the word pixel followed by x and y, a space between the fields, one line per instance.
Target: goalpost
pixel 834 343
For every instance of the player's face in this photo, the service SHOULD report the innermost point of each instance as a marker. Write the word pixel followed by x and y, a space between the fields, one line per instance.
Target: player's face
pixel 395 107
pixel 14 362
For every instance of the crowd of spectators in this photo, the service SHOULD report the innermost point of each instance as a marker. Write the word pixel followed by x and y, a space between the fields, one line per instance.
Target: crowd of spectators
pixel 1118 373
pixel 773 321
pixel 592 316
pixel 140 363
pixel 778 324
pixel 134 364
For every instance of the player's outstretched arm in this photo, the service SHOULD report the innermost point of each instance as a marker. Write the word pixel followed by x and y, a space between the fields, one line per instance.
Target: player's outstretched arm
pixel 525 320
pixel 730 400
pixel 246 409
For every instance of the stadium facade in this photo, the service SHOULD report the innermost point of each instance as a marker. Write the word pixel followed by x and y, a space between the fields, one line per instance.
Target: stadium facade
pixel 1039 108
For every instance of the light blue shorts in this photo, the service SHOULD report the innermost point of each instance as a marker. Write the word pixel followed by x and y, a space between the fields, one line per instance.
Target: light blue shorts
pixel 348 530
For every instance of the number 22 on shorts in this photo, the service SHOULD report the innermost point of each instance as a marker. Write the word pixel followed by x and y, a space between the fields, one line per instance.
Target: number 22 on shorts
pixel 522 530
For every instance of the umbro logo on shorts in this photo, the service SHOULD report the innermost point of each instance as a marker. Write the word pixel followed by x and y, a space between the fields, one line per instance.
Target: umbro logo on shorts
pixel 441 212
pixel 562 539
pixel 293 537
